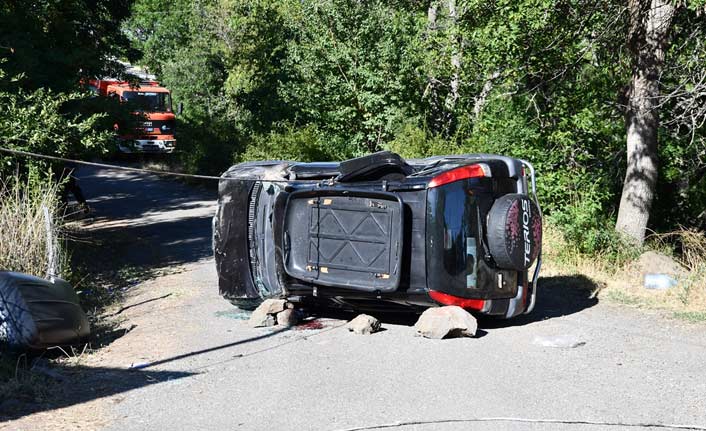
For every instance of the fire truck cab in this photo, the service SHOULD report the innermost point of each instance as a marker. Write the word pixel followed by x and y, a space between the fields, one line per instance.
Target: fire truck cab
pixel 152 103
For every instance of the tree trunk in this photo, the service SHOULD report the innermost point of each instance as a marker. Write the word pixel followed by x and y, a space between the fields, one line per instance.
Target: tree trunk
pixel 431 15
pixel 482 98
pixel 648 36
pixel 455 43
pixel 432 90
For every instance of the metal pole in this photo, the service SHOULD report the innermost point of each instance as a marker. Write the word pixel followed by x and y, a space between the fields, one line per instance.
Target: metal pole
pixel 52 267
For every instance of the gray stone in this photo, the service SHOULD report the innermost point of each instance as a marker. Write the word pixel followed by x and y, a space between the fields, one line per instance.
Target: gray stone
pixel 446 322
pixel 287 317
pixel 272 306
pixel 264 314
pixel 652 262
pixel 260 318
pixel 363 325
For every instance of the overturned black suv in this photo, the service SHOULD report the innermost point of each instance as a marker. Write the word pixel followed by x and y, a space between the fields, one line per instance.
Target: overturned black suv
pixel 381 233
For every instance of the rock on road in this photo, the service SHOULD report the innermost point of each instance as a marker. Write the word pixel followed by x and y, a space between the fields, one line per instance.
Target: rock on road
pixel 199 366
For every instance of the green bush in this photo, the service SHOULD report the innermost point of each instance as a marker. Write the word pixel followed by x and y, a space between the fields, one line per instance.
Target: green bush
pixel 305 144
pixel 412 141
pixel 205 150
pixel 36 121
pixel 589 230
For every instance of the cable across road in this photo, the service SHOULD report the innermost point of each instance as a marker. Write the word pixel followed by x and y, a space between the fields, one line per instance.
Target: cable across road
pixel 109 166
pixel 645 425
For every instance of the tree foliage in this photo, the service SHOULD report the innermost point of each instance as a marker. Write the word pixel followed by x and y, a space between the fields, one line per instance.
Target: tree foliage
pixel 56 43
pixel 545 80
pixel 46 49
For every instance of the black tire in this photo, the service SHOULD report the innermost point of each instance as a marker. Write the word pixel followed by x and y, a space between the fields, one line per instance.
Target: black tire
pixel 246 303
pixel 514 232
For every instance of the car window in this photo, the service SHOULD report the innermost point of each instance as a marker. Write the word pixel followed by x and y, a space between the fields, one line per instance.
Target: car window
pixel 452 231
pixel 149 101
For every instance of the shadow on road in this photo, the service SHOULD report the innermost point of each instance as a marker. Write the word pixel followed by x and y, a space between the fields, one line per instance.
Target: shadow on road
pixel 159 244
pixel 70 385
pixel 556 296
pixel 73 385
pixel 144 221
pixel 216 348
pixel 130 195
pixel 141 227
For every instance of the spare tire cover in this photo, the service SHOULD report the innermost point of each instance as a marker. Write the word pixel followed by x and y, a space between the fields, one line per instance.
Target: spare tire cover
pixel 514 231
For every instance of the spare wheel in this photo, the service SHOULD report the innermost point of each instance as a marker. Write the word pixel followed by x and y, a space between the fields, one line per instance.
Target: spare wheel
pixel 514 232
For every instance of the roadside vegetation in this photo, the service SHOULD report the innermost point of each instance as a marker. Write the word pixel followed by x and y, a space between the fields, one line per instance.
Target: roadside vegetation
pixel 29 215
pixel 28 210
pixel 46 48
pixel 619 275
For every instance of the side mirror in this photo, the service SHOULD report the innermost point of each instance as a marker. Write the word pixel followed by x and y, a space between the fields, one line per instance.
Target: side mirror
pixel 180 108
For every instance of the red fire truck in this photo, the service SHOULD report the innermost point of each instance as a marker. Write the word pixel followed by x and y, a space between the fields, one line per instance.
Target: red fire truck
pixel 152 103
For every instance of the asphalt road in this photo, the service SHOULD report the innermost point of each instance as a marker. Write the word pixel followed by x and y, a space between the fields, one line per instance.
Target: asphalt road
pixel 201 367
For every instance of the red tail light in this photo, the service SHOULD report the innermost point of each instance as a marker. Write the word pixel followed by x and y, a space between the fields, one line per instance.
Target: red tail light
pixel 446 299
pixel 462 173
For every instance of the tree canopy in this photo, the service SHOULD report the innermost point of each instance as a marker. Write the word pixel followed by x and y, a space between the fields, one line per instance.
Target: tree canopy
pixel 46 49
pixel 546 80
pixel 557 82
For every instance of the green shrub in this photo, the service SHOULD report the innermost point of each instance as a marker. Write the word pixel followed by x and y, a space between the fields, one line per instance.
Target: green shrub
pixel 205 148
pixel 413 142
pixel 304 144
pixel 588 229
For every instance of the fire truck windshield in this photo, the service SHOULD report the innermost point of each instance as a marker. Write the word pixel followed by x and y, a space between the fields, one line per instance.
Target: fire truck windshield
pixel 149 101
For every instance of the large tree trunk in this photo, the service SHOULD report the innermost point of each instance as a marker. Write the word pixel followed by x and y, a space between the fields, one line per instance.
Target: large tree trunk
pixel 455 43
pixel 432 90
pixel 648 36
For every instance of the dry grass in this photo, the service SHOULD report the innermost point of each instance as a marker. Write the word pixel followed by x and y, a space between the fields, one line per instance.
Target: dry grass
pixel 19 382
pixel 23 248
pixel 623 282
pixel 690 245
pixel 23 225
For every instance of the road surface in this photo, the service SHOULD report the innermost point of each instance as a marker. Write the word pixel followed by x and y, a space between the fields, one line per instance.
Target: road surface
pixel 198 366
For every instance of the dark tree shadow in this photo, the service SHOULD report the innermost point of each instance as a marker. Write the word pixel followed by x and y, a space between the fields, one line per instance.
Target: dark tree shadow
pixel 67 386
pixel 141 227
pixel 159 225
pixel 557 296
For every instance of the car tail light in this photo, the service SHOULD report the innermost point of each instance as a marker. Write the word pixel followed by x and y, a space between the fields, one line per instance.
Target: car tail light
pixel 462 173
pixel 446 299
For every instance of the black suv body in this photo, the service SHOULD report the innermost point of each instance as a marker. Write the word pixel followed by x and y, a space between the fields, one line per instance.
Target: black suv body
pixel 380 232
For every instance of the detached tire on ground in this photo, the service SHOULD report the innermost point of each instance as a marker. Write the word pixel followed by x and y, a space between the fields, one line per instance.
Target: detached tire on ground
pixel 37 313
pixel 514 232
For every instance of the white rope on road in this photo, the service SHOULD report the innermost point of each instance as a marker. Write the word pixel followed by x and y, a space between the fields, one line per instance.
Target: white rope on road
pixel 527 420
pixel 105 165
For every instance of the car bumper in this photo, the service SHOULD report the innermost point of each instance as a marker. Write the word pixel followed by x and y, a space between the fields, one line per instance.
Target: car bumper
pixel 161 146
